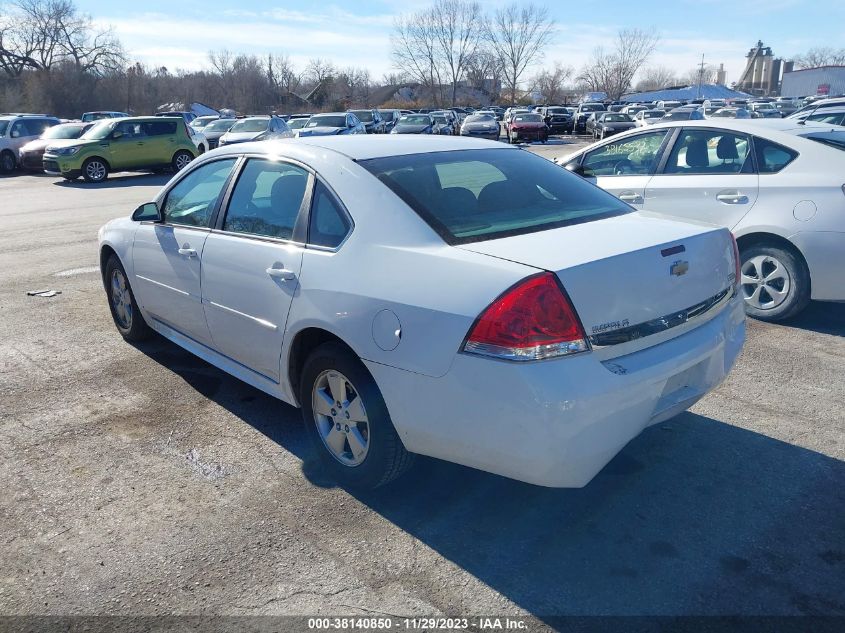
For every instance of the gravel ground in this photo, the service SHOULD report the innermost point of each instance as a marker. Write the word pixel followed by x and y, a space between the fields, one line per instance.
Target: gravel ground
pixel 140 480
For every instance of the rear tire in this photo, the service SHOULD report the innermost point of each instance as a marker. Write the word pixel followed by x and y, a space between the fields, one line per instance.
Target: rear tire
pixel 775 282
pixel 124 310
pixel 351 430
pixel 181 159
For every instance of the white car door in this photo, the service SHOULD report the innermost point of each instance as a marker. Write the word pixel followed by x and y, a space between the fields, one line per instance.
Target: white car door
pixel 624 166
pixel 708 176
pixel 167 255
pixel 251 265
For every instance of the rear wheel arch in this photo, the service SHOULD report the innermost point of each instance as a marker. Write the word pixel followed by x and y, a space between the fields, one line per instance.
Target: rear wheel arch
pixel 769 239
pixel 304 342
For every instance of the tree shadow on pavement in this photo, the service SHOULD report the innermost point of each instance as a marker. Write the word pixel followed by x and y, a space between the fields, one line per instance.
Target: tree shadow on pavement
pixel 694 517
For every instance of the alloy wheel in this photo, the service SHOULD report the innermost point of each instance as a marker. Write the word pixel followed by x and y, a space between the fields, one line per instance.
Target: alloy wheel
pixel 341 418
pixel 765 282
pixel 182 161
pixel 95 170
pixel 121 299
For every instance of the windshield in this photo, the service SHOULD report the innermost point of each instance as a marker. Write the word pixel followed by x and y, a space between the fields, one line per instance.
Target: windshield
pixel 219 126
pixel 98 131
pixel 250 125
pixel 725 113
pixel 475 195
pixel 364 115
pixel 653 114
pixel 678 115
pixel 387 115
pixel 441 120
pixel 557 111
pixel 337 120
pixel 592 107
pixel 201 122
pixel 63 131
pixel 480 118
pixel 617 118
pixel 529 118
pixel 415 120
pixel 4 125
pixel 296 124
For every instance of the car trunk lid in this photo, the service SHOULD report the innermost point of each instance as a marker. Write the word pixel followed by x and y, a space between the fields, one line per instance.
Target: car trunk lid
pixel 630 275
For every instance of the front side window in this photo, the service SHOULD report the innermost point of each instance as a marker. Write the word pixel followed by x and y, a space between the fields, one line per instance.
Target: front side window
pixel 708 152
pixel 771 157
pixel 475 195
pixel 192 200
pixel 266 199
pixel 328 225
pixel 633 155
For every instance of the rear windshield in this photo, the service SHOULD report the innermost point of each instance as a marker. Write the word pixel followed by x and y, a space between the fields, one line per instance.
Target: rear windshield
pixel 222 124
pixel 363 115
pixel 250 125
pixel 476 195
pixel 338 120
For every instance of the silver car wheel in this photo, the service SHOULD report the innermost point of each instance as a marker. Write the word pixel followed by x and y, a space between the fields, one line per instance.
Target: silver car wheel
pixel 765 282
pixel 121 300
pixel 95 170
pixel 182 161
pixel 340 418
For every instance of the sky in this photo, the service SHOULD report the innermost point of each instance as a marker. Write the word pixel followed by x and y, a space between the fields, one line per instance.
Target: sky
pixel 357 33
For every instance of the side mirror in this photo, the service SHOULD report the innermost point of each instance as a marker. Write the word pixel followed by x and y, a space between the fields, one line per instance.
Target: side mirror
pixel 576 168
pixel 148 212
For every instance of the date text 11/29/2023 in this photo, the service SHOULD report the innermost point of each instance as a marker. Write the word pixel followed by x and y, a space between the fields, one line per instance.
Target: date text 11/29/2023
pixel 416 624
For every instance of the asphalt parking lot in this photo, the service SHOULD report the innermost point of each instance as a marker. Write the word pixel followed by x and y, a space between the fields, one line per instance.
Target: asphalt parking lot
pixel 141 480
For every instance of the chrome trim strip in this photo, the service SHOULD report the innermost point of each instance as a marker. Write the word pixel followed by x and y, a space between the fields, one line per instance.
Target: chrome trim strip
pixel 660 324
pixel 261 322
pixel 161 285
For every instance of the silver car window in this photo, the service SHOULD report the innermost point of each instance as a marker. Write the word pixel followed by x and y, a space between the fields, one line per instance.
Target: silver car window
pixel 192 200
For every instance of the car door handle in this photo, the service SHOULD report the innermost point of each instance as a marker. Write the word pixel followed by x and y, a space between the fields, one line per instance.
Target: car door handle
pixel 281 273
pixel 188 252
pixel 732 197
pixel 139 143
pixel 631 197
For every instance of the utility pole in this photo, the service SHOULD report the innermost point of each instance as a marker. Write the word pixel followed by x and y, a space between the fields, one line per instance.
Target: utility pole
pixel 700 76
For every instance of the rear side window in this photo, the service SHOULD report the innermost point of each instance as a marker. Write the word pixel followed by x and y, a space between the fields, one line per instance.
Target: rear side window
pixel 771 157
pixel 475 195
pixel 328 225
pixel 160 128
pixel 266 199
pixel 709 152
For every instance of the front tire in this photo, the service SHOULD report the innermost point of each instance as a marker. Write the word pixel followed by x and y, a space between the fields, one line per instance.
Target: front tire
pixel 347 420
pixel 8 162
pixel 124 310
pixel 95 170
pixel 775 282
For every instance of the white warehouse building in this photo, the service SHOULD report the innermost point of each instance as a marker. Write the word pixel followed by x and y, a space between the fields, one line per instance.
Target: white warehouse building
pixel 824 80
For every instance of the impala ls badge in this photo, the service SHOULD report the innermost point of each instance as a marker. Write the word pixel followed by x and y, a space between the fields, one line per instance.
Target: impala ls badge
pixel 679 268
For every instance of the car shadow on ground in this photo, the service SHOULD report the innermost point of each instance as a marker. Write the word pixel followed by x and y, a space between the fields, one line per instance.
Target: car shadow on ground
pixel 117 181
pixel 822 317
pixel 696 516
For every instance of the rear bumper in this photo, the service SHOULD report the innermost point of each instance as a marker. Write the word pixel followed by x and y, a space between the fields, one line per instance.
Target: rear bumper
pixel 557 423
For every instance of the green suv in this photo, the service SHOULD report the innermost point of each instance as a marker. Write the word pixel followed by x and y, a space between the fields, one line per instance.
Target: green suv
pixel 129 144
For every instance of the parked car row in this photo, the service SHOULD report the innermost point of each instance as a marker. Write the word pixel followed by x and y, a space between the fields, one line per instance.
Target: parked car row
pixel 776 183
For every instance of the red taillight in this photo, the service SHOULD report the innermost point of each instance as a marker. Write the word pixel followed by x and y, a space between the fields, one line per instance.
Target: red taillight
pixel 737 263
pixel 532 320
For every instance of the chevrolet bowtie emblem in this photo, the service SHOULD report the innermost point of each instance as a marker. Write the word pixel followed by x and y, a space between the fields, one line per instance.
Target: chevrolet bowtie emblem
pixel 679 268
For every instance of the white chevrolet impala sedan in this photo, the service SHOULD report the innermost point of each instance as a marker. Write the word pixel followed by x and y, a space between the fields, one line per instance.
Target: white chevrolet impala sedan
pixel 456 298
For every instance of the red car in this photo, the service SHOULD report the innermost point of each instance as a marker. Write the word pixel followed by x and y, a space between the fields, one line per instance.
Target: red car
pixel 529 126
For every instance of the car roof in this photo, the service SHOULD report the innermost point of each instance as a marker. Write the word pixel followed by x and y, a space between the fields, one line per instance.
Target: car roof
pixel 367 146
pixel 783 128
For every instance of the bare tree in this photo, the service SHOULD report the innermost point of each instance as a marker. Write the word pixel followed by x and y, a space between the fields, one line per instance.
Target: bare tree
pixel 458 29
pixel 699 75
pixel 551 83
pixel 484 72
pixel 612 71
pixel 518 34
pixel 414 48
pixel 656 78
pixel 821 56
pixel 319 70
pixel 282 74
